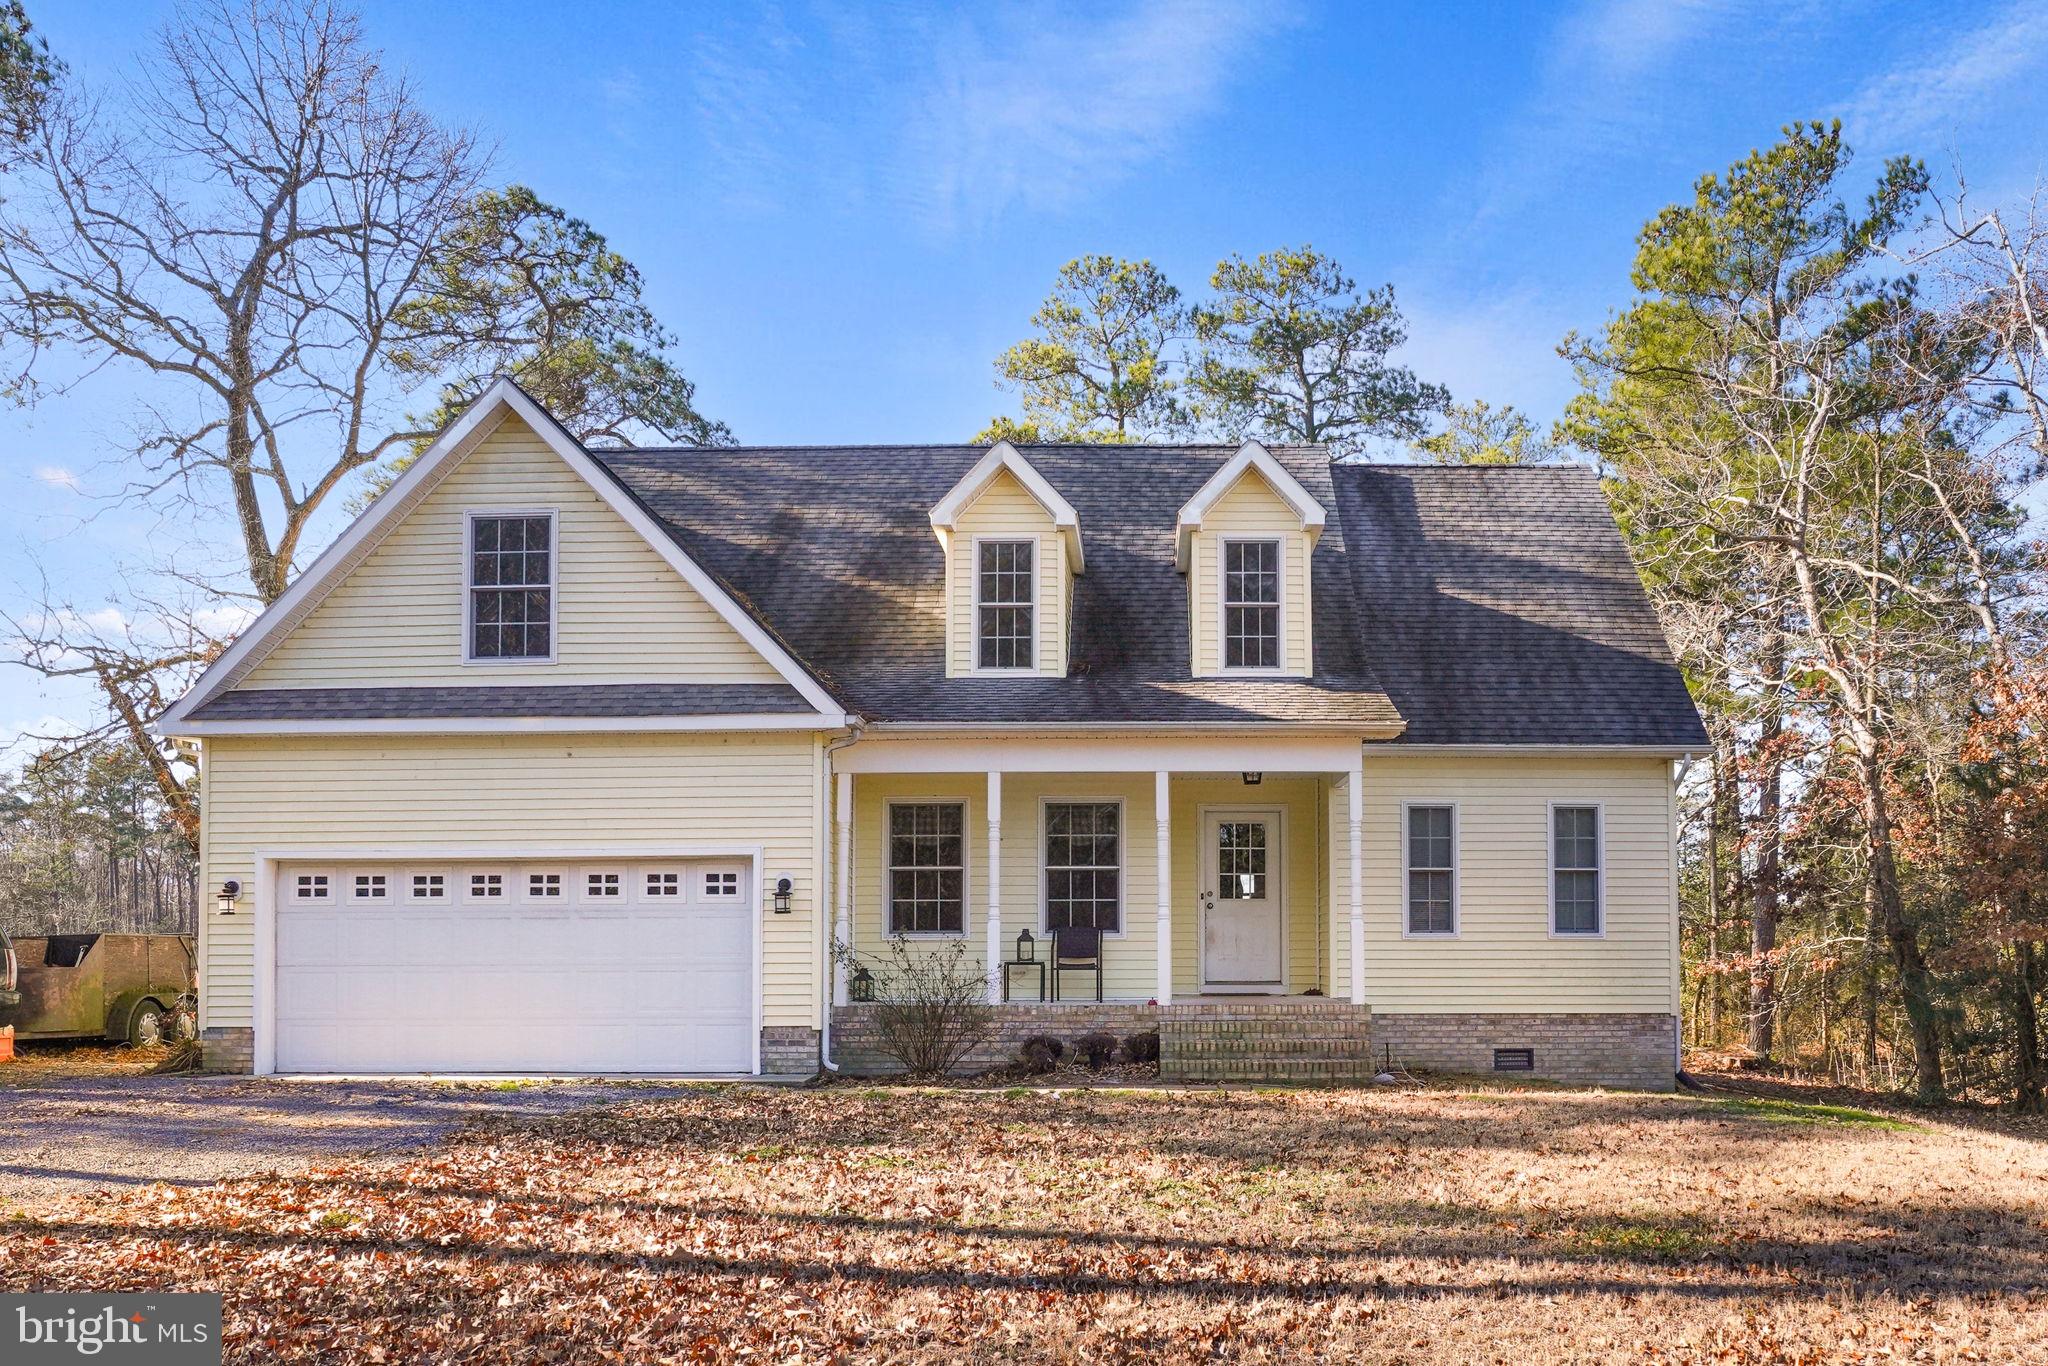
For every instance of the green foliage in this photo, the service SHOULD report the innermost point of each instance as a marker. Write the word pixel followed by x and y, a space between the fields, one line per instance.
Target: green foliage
pixel 1796 1112
pixel 1292 351
pixel 1477 433
pixel 27 74
pixel 1008 429
pixel 518 287
pixel 1098 370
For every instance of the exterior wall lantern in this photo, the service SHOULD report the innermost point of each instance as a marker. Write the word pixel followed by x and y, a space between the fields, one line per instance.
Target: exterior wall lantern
pixel 230 891
pixel 782 891
pixel 861 986
pixel 1026 950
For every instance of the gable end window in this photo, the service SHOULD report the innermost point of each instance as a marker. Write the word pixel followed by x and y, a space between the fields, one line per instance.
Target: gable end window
pixel 1575 870
pixel 927 868
pixel 1432 871
pixel 1084 866
pixel 1005 604
pixel 511 586
pixel 1251 604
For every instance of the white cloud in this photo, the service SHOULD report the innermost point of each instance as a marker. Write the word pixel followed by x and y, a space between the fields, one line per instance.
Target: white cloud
pixel 959 116
pixel 1938 88
pixel 1042 113
pixel 57 477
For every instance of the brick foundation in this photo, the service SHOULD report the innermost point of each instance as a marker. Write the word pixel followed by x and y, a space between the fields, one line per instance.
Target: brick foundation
pixel 1634 1051
pixel 789 1051
pixel 227 1050
pixel 856 1041
pixel 1291 1040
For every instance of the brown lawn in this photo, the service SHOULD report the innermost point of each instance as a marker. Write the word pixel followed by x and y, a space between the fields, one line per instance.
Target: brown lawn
pixel 963 1225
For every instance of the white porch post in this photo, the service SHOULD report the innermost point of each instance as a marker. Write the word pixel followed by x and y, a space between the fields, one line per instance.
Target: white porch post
pixel 842 890
pixel 994 962
pixel 1162 815
pixel 1354 783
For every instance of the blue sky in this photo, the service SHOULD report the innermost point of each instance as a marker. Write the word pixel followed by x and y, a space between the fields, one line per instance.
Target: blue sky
pixel 844 211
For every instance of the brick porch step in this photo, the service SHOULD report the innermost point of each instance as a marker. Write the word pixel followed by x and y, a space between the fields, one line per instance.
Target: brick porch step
pixel 1291 1040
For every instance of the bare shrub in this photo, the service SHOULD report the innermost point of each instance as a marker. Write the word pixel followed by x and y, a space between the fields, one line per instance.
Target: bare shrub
pixel 1040 1053
pixel 1096 1051
pixel 931 1006
pixel 1142 1047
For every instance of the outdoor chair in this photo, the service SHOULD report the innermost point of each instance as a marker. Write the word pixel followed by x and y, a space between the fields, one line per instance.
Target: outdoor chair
pixel 1076 949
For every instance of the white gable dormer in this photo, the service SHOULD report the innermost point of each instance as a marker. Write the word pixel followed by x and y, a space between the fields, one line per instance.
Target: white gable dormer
pixel 1245 541
pixel 1013 546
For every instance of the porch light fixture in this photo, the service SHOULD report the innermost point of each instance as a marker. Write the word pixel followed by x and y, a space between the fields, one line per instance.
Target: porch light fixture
pixel 782 891
pixel 1254 779
pixel 861 986
pixel 1025 952
pixel 230 891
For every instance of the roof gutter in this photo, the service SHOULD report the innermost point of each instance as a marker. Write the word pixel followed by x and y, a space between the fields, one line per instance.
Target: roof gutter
pixel 1055 729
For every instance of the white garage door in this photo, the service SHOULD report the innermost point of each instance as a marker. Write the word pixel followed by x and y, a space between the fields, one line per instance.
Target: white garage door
pixel 516 967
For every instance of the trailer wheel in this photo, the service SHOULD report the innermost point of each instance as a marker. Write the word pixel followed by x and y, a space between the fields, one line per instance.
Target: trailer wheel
pixel 146 1025
pixel 183 1025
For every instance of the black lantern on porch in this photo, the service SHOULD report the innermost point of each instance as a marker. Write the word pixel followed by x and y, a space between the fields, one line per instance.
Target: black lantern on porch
pixel 783 888
pixel 861 986
pixel 1027 950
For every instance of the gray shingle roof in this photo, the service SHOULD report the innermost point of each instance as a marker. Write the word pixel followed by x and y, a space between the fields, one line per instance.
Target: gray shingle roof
pixel 591 700
pixel 1500 606
pixel 832 547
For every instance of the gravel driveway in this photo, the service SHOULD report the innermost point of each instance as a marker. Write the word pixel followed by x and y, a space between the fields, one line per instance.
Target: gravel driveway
pixel 73 1136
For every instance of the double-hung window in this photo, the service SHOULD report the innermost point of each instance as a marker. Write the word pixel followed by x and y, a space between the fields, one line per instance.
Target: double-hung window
pixel 927 868
pixel 1005 604
pixel 512 586
pixel 1432 871
pixel 1251 604
pixel 1084 871
pixel 1575 870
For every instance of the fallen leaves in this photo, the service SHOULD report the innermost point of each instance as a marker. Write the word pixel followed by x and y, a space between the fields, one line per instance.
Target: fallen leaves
pixel 716 1224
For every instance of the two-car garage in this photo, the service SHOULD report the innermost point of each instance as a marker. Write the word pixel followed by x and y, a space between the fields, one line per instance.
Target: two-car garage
pixel 473 965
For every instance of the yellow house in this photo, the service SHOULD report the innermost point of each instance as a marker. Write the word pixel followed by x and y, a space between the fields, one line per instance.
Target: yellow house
pixel 671 761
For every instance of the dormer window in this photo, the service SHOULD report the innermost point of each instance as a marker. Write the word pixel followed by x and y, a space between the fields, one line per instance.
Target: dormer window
pixel 1005 605
pixel 511 588
pixel 1251 604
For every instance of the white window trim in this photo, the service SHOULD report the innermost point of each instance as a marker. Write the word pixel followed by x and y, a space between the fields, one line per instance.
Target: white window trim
pixel 469 587
pixel 1123 858
pixel 1600 871
pixel 643 891
pixel 1223 605
pixel 451 890
pixel 333 885
pixel 469 896
pixel 966 869
pixel 1457 874
pixel 526 896
pixel 581 893
pixel 385 897
pixel 1037 544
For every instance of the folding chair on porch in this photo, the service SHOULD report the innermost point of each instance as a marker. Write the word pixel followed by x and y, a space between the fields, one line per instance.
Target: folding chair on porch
pixel 1076 948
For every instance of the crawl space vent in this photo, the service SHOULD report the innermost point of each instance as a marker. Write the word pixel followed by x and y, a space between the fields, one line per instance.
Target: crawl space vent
pixel 1514 1060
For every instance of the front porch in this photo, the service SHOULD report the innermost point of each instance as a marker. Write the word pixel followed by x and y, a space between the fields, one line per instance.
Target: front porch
pixel 1223 874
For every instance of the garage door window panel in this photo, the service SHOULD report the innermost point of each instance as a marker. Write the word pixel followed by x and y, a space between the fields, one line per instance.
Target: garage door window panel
pixel 427 887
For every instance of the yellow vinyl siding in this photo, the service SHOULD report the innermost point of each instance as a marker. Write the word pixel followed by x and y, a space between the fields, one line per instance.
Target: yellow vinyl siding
pixel 416 793
pixel 1006 510
pixel 1251 509
pixel 622 614
pixel 1504 958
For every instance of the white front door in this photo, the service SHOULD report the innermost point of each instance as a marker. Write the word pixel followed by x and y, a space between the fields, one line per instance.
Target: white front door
pixel 1243 927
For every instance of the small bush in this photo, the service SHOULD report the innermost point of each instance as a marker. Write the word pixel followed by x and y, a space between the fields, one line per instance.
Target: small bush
pixel 931 1007
pixel 1096 1050
pixel 1142 1047
pixel 1040 1053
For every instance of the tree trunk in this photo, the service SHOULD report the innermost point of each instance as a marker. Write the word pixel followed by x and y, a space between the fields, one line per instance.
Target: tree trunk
pixel 1915 983
pixel 1767 891
pixel 2028 1076
pixel 1717 823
